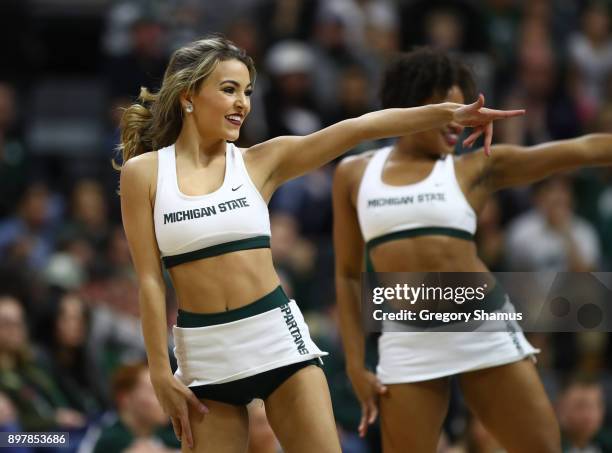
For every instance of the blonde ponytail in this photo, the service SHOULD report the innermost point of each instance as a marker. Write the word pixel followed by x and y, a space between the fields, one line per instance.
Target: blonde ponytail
pixel 135 127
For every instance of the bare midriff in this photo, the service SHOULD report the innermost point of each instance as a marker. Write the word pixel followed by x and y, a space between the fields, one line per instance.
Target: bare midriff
pixel 427 254
pixel 224 282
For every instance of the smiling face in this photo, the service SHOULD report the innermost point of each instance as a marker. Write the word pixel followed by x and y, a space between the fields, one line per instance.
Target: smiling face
pixel 441 141
pixel 222 102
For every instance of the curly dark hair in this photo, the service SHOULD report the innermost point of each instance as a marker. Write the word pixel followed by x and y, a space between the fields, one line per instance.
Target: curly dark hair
pixel 412 78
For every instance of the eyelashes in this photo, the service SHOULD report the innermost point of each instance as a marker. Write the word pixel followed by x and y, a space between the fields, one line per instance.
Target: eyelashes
pixel 229 90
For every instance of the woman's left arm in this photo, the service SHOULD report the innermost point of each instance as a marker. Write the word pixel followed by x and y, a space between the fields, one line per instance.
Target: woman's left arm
pixel 511 165
pixel 290 156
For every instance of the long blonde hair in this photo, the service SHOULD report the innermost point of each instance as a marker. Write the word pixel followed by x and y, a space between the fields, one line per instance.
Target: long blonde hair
pixel 155 121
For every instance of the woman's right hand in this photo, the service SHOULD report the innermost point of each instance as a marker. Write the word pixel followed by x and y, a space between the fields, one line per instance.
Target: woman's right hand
pixel 367 388
pixel 175 397
pixel 481 119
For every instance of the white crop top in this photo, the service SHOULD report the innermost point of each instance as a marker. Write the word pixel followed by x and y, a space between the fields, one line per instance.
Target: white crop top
pixel 434 205
pixel 233 217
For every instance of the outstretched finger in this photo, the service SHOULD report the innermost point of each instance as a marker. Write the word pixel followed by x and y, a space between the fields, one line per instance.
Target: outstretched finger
pixel 469 142
pixel 186 430
pixel 363 423
pixel 513 113
pixel 373 410
pixel 500 114
pixel 476 105
pixel 488 138
pixel 176 425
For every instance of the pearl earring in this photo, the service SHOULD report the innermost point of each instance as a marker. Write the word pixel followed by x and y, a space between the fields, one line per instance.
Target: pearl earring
pixel 189 108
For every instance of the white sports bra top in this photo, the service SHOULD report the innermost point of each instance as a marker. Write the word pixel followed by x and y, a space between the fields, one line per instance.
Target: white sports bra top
pixel 434 205
pixel 233 217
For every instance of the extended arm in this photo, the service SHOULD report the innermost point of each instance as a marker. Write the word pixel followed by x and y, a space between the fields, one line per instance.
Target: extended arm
pixel 512 165
pixel 287 157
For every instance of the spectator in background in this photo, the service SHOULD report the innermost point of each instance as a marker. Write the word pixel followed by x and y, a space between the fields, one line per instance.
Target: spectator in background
pixel 68 267
pixel 27 238
pixel 353 99
pixel 352 93
pixel 382 33
pixel 502 19
pixel 289 106
pixel 539 88
pixel 184 22
pixel 581 411
pixel 112 291
pixel 307 200
pixel 115 323
pixel 445 30
pixel 281 20
pixel 333 53
pixel 551 237
pixel 244 33
pixel 467 33
pixel 141 425
pixel 69 358
pixel 359 15
pixel 590 52
pixel 143 65
pixel 536 87
pixel 82 239
pixel 117 254
pixel 85 234
pixel 370 31
pixel 40 403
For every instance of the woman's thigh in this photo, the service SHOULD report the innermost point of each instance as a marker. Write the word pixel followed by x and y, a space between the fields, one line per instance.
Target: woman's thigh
pixel 511 403
pixel 412 415
pixel 225 428
pixel 300 413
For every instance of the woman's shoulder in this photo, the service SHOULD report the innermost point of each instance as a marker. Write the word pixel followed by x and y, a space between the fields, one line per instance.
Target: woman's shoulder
pixel 353 167
pixel 143 160
pixel 142 165
pixel 140 172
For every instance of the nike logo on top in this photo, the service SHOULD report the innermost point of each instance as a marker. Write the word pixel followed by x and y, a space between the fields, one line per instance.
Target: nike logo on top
pixel 236 188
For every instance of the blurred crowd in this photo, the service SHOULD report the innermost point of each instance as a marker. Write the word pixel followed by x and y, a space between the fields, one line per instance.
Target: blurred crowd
pixel 71 351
